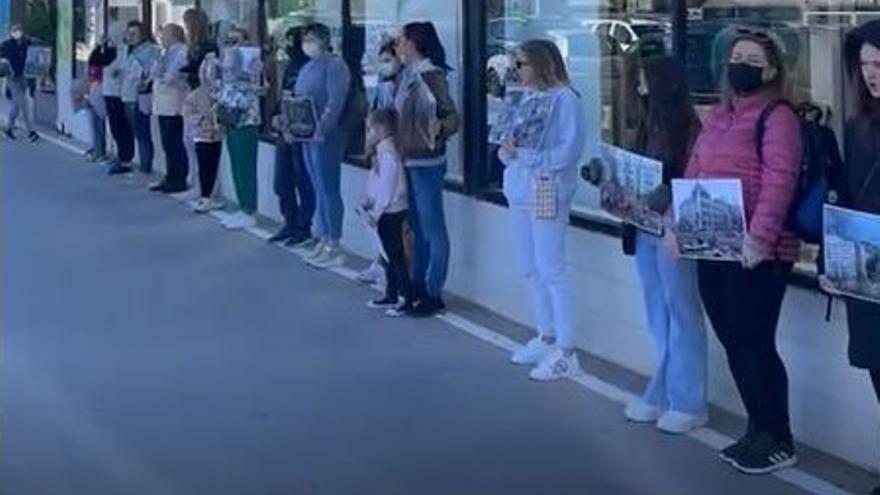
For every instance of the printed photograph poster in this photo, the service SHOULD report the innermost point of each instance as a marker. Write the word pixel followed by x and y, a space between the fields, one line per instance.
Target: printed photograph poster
pixel 709 218
pixel 38 61
pixel 241 63
pixel 852 252
pixel 301 118
pixel 523 118
pixel 628 177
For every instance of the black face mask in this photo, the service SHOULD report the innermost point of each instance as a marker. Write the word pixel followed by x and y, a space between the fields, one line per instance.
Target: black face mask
pixel 744 78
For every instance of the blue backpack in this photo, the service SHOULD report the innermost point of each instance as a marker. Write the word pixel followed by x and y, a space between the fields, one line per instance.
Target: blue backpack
pixel 820 159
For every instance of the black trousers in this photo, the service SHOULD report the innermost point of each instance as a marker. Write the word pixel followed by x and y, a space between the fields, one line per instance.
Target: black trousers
pixel 396 270
pixel 744 307
pixel 296 197
pixel 208 155
pixel 122 132
pixel 176 161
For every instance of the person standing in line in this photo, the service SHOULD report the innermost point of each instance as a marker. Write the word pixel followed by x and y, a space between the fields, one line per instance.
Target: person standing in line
pixel 389 74
pixel 540 236
pixel 296 197
pixel 242 135
pixel 385 206
pixel 744 300
pixel 198 114
pixel 169 90
pixel 675 397
pixel 136 90
pixel 14 50
pixel 427 118
pixel 111 57
pixel 326 80
pixel 97 111
pixel 859 186
pixel 199 45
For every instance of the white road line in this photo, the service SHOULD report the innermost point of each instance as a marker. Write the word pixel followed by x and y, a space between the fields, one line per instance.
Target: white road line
pixel 707 436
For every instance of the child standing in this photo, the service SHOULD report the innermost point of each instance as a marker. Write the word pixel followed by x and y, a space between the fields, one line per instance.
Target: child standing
pixel 198 113
pixel 385 207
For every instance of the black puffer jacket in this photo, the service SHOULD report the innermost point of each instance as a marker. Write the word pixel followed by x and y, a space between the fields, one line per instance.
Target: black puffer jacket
pixel 859 189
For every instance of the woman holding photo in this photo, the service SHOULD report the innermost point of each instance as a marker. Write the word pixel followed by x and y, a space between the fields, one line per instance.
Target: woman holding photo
pixel 539 235
pixel 859 188
pixel 326 80
pixel 675 398
pixel 744 300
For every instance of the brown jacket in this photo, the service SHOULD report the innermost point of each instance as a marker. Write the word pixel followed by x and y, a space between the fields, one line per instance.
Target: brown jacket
pixel 427 116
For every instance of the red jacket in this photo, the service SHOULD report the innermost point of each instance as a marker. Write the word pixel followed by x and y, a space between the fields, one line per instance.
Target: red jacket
pixel 726 149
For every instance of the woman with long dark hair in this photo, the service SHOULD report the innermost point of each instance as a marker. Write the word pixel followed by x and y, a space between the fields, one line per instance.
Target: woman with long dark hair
pixel 859 187
pixel 675 398
pixel 744 300
pixel 427 119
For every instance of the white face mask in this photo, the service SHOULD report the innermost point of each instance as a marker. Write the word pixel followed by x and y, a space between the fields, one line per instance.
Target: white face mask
pixel 311 49
pixel 16 35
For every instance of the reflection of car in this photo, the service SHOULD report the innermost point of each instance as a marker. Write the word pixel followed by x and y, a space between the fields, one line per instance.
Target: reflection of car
pixel 627 33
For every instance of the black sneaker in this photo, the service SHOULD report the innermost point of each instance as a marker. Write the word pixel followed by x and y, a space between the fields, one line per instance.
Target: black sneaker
pixel 384 303
pixel 33 137
pixel 735 449
pixel 9 134
pixel 118 169
pixel 427 307
pixel 763 455
pixel 402 310
pixel 297 240
pixel 282 235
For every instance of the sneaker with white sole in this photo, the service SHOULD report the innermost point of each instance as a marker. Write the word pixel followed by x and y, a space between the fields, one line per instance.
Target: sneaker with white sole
pixel 332 257
pixel 239 220
pixel 557 366
pixel 640 411
pixel 679 423
pixel 763 455
pixel 207 205
pixel 384 303
pixel 316 251
pixel 535 351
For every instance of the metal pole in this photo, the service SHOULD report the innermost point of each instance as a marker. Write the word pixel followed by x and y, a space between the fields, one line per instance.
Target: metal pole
pixel 678 12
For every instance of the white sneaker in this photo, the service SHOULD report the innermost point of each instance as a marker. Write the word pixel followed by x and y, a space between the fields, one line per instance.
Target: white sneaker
pixel 679 423
pixel 239 220
pixel 535 351
pixel 556 366
pixel 332 257
pixel 305 247
pixel 640 411
pixel 207 205
pixel 372 275
pixel 315 252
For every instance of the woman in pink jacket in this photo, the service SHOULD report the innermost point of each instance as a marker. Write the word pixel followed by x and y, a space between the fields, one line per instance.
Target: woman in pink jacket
pixel 744 300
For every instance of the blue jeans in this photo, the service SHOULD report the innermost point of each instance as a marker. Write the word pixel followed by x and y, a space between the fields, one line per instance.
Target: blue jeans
pixel 677 326
pixel 99 133
pixel 140 125
pixel 428 223
pixel 296 197
pixel 323 160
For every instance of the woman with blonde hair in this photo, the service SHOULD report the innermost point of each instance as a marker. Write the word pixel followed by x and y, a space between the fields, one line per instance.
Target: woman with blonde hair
pixel 170 89
pixel 548 170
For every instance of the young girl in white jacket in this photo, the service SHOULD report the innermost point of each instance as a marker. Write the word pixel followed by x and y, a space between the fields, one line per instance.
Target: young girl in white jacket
pixel 540 223
pixel 386 208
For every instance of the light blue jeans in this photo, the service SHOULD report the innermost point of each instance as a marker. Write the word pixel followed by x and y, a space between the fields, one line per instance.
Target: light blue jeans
pixel 540 246
pixel 677 326
pixel 323 161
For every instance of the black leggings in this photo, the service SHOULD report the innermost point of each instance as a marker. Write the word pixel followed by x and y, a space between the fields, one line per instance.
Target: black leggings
pixel 208 154
pixel 744 306
pixel 396 270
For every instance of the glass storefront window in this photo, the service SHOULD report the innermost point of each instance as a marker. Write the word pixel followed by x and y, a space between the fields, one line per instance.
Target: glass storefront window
pixel 380 20
pixel 594 43
pixel 169 11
